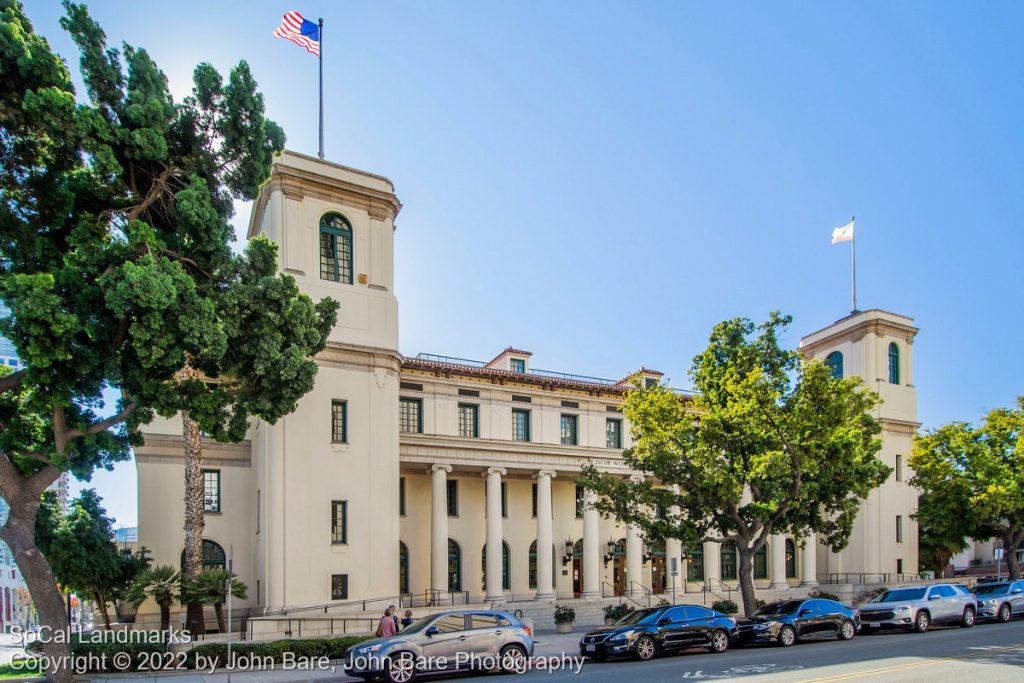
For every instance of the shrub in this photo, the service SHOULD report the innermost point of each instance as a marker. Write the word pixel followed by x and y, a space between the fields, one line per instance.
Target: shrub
pixel 616 612
pixel 725 606
pixel 823 595
pixel 90 653
pixel 564 615
pixel 759 603
pixel 332 648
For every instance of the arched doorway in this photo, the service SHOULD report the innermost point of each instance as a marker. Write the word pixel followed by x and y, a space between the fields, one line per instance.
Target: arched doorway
pixel 454 567
pixel 695 564
pixel 619 567
pixel 659 570
pixel 213 556
pixel 577 568
pixel 403 569
pixel 506 578
pixel 790 559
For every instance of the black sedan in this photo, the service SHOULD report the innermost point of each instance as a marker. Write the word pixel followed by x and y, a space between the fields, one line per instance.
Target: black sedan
pixel 645 633
pixel 788 621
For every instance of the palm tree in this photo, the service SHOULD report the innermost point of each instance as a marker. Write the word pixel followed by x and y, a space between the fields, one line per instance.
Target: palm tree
pixel 211 588
pixel 195 506
pixel 163 584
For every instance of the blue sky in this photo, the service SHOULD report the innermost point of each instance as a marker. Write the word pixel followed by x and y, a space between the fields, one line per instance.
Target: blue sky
pixel 601 182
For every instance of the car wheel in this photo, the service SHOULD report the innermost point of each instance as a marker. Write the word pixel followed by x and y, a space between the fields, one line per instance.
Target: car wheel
pixel 512 660
pixel 922 621
pixel 787 636
pixel 968 619
pixel 847 630
pixel 401 668
pixel 1004 613
pixel 645 648
pixel 719 641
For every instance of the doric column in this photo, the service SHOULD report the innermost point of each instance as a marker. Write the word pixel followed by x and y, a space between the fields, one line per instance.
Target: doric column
pixel 439 526
pixel 591 547
pixel 545 533
pixel 674 549
pixel 494 542
pixel 634 560
pixel 777 552
pixel 809 576
pixel 712 564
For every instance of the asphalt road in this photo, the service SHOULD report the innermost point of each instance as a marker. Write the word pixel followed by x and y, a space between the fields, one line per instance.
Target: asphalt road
pixel 993 653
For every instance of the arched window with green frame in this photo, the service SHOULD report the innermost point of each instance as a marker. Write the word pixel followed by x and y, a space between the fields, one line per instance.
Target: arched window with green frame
pixel 834 361
pixel 728 555
pixel 506 568
pixel 695 563
pixel 335 248
pixel 894 363
pixel 761 563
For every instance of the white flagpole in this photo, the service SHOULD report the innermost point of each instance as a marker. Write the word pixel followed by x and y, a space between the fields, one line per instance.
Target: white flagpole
pixel 321 59
pixel 853 264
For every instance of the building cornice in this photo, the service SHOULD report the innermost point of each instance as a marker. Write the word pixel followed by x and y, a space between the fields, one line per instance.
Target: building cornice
pixel 170 448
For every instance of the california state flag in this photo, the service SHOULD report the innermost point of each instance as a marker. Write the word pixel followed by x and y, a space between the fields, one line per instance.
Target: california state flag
pixel 843 234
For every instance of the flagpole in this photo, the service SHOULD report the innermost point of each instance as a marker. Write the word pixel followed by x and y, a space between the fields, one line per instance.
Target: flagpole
pixel 321 56
pixel 853 263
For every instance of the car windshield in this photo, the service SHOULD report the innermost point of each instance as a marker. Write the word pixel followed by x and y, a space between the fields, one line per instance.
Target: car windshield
pixel 901 594
pixel 639 616
pixel 418 625
pixel 778 609
pixel 991 588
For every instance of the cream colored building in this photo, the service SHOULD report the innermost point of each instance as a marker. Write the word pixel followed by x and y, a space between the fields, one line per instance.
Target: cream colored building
pixel 422 476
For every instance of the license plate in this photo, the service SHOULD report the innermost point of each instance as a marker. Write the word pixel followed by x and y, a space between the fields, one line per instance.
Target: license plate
pixel 873 624
pixel 591 648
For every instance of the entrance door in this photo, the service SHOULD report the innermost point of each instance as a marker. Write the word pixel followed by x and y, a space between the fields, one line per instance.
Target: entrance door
pixel 659 575
pixel 619 567
pixel 577 576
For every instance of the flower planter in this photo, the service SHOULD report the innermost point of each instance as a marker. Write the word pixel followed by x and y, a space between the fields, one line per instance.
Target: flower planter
pixel 565 627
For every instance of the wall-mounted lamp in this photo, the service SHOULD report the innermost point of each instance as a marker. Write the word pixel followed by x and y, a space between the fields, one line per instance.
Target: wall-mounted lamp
pixel 567 557
pixel 610 554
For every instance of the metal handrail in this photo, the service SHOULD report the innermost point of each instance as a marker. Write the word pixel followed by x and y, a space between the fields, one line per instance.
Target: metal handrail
pixel 431 597
pixel 620 596
pixel 644 589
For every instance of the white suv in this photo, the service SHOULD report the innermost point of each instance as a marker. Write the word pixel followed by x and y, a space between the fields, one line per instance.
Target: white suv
pixel 918 607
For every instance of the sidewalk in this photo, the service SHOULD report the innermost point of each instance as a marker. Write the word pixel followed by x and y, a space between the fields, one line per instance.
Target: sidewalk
pixel 547 644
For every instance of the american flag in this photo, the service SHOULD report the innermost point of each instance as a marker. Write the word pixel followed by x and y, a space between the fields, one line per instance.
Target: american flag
pixel 300 31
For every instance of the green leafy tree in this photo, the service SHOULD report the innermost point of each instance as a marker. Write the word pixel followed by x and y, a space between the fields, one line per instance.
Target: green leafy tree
pixel 115 263
pixel 161 583
pixel 81 550
pixel 771 443
pixel 211 588
pixel 972 478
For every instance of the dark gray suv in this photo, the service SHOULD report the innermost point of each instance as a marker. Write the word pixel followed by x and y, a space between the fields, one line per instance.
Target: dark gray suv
pixel 457 640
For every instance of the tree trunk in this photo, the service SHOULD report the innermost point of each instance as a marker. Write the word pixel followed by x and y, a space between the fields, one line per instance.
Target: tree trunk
pixel 195 522
pixel 219 609
pixel 1011 540
pixel 165 618
pixel 745 557
pixel 101 601
pixel 19 534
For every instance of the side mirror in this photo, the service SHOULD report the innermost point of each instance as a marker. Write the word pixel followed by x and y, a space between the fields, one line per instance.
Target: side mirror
pixel 431 631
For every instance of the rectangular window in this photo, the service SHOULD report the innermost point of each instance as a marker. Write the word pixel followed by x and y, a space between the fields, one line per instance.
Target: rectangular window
pixel 411 386
pixel 899 528
pixel 211 490
pixel 401 496
pixel 569 430
pixel 899 566
pixel 613 433
pixel 469 420
pixel 339 586
pixel 570 404
pixel 520 425
pixel 469 392
pixel 504 499
pixel 410 415
pixel 259 508
pixel 579 502
pixel 518 365
pixel 339 422
pixel 650 383
pixel 453 498
pixel 899 468
pixel 339 521
pixel 533 504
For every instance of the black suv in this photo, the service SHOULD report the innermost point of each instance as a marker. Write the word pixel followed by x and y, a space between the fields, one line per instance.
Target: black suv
pixel 645 633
